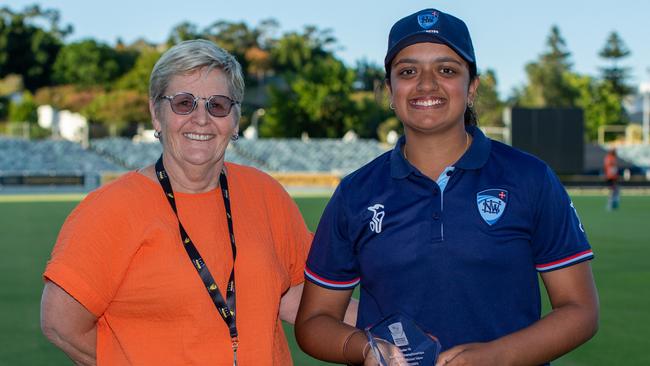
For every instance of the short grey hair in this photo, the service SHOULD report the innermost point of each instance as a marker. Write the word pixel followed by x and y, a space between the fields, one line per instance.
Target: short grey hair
pixel 190 56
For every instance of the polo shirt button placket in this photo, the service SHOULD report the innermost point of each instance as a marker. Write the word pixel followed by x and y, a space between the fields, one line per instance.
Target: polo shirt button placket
pixel 436 213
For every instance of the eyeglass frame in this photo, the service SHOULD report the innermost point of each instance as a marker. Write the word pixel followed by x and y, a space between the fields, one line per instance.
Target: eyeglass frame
pixel 195 103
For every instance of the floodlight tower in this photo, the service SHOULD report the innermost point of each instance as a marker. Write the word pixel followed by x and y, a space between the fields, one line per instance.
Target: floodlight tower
pixel 255 121
pixel 644 89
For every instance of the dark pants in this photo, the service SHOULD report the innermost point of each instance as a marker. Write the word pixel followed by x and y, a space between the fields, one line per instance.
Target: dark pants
pixel 614 194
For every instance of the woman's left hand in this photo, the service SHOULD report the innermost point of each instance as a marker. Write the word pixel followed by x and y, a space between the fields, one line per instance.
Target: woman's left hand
pixel 484 354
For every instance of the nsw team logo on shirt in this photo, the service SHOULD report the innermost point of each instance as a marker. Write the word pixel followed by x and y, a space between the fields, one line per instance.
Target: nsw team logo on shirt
pixel 491 203
pixel 377 217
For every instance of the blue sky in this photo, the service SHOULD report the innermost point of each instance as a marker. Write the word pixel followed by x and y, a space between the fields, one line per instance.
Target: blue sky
pixel 507 34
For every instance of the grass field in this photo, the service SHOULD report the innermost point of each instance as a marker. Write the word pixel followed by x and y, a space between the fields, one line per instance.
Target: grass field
pixel 621 241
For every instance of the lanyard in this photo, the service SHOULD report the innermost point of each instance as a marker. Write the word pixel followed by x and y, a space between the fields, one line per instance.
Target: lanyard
pixel 225 308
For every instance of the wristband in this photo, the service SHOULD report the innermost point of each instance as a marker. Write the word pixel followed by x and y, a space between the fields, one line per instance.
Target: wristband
pixel 366 348
pixel 345 345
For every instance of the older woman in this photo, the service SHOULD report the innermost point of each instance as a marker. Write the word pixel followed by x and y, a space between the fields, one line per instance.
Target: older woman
pixel 188 261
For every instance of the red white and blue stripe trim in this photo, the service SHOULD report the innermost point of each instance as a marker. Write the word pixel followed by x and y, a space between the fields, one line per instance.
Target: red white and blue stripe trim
pixel 565 262
pixel 327 283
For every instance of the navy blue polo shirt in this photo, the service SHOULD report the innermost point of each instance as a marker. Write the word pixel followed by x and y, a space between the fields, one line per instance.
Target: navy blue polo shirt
pixel 459 255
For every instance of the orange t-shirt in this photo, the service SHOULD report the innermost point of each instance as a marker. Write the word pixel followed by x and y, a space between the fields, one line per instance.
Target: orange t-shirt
pixel 611 167
pixel 119 254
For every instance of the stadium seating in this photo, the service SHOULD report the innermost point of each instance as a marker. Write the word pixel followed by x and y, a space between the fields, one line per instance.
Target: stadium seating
pixel 22 160
pixel 18 156
pixel 638 155
pixel 271 155
pixel 315 155
pixel 116 154
pixel 132 155
pixel 53 157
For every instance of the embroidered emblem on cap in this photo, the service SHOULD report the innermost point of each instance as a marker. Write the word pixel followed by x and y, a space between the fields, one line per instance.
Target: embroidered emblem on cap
pixel 427 20
pixel 491 204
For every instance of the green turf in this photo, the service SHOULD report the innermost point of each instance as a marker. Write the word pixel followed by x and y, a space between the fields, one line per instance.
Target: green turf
pixel 621 241
pixel 28 231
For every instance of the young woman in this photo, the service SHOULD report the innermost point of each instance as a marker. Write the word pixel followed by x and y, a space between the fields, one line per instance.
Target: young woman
pixel 449 228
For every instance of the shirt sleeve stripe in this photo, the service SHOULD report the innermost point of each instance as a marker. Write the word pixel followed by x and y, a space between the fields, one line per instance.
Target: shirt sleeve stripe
pixel 578 257
pixel 329 283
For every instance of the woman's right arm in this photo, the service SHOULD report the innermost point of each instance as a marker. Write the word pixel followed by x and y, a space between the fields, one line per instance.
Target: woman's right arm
pixel 68 325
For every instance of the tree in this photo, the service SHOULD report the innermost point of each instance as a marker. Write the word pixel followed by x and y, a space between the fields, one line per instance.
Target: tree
pixel 26 48
pixel 68 97
pixel 86 63
pixel 314 93
pixel 369 76
pixel 248 45
pixel 613 52
pixel 23 110
pixel 599 101
pixel 138 77
pixel 118 109
pixel 294 49
pixel 182 32
pixel 548 84
pixel 242 42
pixel 234 37
pixel 317 101
pixel 370 110
pixel 266 33
pixel 488 106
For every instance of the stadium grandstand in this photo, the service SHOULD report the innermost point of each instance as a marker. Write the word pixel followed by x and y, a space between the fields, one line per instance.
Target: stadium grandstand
pixel 270 155
pixel 638 155
pixel 30 165
pixel 54 164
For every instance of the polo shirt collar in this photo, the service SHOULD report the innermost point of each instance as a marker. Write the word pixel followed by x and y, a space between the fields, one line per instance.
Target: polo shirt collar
pixel 479 151
pixel 474 158
pixel 399 167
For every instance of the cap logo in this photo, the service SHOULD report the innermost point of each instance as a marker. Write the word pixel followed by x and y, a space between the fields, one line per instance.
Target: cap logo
pixel 427 20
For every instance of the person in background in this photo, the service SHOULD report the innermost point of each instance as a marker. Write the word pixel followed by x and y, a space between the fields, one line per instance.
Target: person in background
pixel 190 261
pixel 449 228
pixel 610 167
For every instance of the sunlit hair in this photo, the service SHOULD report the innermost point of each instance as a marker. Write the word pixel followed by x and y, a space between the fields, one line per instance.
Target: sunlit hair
pixel 190 56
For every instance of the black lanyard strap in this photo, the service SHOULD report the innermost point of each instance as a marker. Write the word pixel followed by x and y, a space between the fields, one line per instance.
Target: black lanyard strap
pixel 225 308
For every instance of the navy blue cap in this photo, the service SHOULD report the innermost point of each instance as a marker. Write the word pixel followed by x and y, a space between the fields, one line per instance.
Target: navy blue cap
pixel 430 25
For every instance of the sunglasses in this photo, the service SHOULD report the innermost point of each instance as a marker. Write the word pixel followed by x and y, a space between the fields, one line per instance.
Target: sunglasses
pixel 185 103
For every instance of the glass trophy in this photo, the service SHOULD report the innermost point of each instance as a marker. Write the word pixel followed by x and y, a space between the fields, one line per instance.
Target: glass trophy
pixel 417 347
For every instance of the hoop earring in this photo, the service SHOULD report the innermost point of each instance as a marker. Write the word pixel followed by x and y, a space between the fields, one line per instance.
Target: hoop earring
pixel 156 134
pixel 470 103
pixel 234 137
pixel 391 106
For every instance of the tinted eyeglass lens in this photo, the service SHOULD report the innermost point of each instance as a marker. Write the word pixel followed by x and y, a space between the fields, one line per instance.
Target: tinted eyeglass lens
pixel 183 103
pixel 219 106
